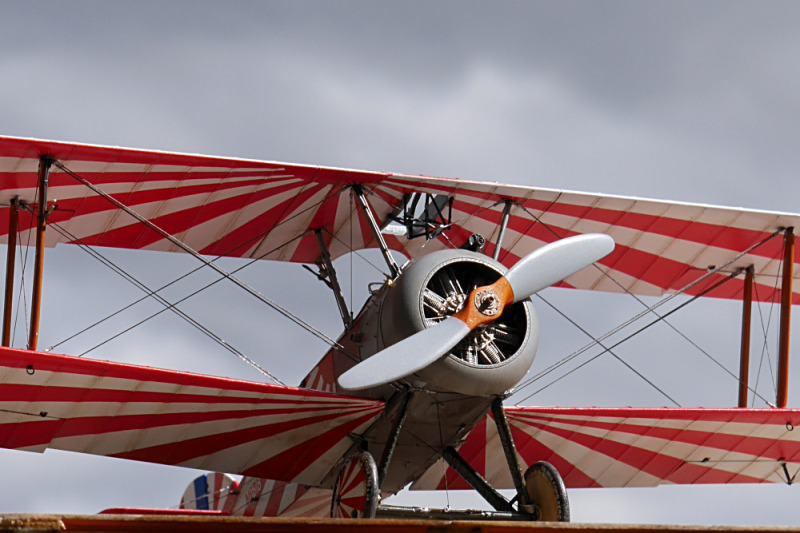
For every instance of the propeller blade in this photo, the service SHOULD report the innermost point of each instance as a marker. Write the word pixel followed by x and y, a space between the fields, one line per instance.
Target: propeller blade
pixel 556 261
pixel 407 356
pixel 540 269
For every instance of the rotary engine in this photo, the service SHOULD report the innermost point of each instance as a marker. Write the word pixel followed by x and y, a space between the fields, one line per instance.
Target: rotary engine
pixel 491 359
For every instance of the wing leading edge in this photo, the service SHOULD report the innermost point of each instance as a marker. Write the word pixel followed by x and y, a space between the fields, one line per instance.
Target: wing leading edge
pixel 637 447
pixel 175 418
pixel 266 210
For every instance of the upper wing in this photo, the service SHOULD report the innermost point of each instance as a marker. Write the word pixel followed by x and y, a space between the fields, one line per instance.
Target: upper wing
pixel 630 447
pixel 175 418
pixel 258 209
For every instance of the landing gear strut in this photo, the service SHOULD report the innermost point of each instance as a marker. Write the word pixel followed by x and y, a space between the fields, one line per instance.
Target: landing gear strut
pixel 541 490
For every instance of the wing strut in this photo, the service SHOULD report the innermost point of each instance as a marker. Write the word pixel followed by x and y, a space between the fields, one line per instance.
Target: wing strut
pixel 358 192
pixel 328 275
pixel 13 218
pixel 744 359
pixel 499 244
pixel 786 317
pixel 45 162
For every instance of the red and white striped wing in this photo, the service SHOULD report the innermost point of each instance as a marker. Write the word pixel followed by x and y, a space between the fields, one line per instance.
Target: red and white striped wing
pixel 217 206
pixel 175 418
pixel 660 246
pixel 630 447
pixel 245 208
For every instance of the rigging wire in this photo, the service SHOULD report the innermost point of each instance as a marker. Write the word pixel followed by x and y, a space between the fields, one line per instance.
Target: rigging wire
pixel 230 252
pixel 151 293
pixel 649 309
pixel 166 303
pixel 617 329
pixel 186 248
pixel 609 350
pixel 22 295
pixel 646 326
pixel 765 353
pixel 353 251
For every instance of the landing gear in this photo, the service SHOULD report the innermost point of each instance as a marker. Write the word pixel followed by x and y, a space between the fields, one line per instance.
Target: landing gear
pixel 546 492
pixel 355 493
pixel 541 490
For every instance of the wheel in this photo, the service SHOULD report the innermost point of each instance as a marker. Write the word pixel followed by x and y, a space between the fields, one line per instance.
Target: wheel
pixel 355 492
pixel 547 492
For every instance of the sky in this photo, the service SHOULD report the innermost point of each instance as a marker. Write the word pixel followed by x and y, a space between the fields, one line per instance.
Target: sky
pixel 686 101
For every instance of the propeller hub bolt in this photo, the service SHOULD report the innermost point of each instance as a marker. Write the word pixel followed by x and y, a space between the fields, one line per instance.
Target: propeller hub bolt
pixel 487 302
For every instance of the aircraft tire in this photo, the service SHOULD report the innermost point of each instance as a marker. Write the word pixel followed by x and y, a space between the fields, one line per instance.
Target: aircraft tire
pixel 547 492
pixel 355 492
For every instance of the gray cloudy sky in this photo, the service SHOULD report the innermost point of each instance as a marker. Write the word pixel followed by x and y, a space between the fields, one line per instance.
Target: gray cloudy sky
pixel 690 101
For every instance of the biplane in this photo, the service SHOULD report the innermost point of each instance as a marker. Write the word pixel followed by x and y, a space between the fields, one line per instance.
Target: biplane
pixel 411 393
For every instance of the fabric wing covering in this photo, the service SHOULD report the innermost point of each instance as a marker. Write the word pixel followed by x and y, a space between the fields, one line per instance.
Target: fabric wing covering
pixel 175 418
pixel 266 210
pixel 635 447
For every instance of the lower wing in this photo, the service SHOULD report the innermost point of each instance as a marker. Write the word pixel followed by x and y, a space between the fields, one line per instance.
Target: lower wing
pixel 636 447
pixel 175 418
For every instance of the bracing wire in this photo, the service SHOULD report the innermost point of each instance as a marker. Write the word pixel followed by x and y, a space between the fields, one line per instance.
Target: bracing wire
pixel 609 350
pixel 183 246
pixel 189 273
pixel 22 295
pixel 167 306
pixel 638 331
pixel 765 353
pixel 649 309
pixel 149 293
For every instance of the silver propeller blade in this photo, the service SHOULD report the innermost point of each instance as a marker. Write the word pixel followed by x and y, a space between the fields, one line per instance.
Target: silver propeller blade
pixel 556 261
pixel 405 357
pixel 539 269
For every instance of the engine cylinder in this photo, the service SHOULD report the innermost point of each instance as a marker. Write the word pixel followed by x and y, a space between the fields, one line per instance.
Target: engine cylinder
pixel 492 358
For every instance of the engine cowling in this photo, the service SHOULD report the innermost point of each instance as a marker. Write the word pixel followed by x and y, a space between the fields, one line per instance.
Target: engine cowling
pixel 492 358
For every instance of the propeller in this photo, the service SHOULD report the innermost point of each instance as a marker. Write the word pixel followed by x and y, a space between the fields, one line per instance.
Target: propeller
pixel 538 270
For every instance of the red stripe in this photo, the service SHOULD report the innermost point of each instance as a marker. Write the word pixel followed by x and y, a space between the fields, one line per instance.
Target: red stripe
pixel 21 359
pixel 26 434
pixel 750 415
pixel 244 237
pixel 41 431
pixel 659 271
pixel 732 238
pixel 720 439
pixel 532 451
pixel 191 449
pixel 169 181
pixel 324 219
pixel 291 462
pixel 656 464
pixel 274 499
pixel 136 235
pixel 60 394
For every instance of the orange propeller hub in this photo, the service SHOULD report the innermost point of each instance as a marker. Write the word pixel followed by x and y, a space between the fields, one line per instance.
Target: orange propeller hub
pixel 486 303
